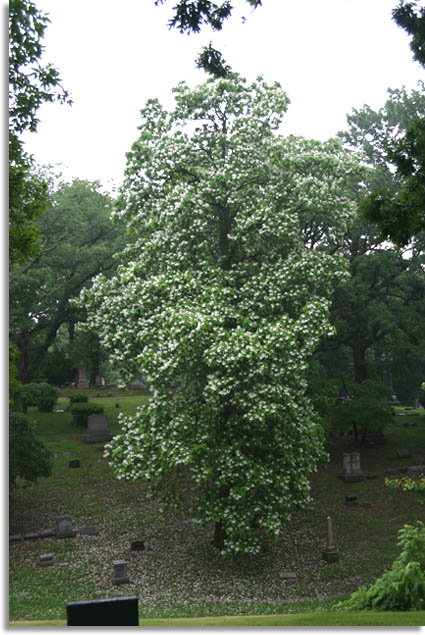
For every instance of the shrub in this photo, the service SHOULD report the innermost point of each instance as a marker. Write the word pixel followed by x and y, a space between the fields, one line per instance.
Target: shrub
pixel 28 456
pixel 403 587
pixel 78 398
pixel 42 395
pixel 80 412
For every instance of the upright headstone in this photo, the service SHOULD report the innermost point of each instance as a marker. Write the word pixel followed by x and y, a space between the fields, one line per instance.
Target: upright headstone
pixel 351 471
pixel 120 572
pixel 110 612
pixel 97 429
pixel 81 377
pixel 64 527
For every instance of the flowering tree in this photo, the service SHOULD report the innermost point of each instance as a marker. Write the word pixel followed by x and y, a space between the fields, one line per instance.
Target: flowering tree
pixel 219 300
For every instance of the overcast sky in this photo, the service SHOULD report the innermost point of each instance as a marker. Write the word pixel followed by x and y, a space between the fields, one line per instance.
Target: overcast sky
pixel 329 55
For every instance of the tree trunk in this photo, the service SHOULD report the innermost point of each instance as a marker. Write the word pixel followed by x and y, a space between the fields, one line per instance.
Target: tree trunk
pixel 219 535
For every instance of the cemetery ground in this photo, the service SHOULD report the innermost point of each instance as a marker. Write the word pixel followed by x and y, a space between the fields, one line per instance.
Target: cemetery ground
pixel 179 574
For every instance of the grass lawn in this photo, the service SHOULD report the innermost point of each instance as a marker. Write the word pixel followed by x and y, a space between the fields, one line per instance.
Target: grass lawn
pixel 179 574
pixel 327 618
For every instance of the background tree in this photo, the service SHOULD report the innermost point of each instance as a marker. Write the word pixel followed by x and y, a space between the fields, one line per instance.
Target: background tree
pixel 384 295
pixel 378 312
pixel 79 241
pixel 31 84
pixel 411 17
pixel 401 217
pixel 220 300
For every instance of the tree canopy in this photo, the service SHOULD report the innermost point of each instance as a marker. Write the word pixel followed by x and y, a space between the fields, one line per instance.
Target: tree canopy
pixel 220 300
pixel 190 15
pixel 401 216
pixel 31 84
pixel 78 242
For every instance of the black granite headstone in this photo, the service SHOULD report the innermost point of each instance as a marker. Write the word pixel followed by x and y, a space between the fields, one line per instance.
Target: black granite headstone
pixel 110 612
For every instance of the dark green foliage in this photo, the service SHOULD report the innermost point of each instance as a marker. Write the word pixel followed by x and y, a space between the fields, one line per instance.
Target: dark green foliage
pixel 213 62
pixel 80 242
pixel 190 15
pixel 379 312
pixel 78 398
pixel 30 85
pixel 42 395
pixel 80 412
pixel 28 456
pixel 28 199
pixel 403 587
pixel 401 217
pixel 411 17
pixel 322 391
pixel 364 411
pixel 14 384
pixel 58 368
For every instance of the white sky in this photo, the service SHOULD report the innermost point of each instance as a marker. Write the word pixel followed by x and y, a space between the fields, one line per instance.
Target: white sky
pixel 329 55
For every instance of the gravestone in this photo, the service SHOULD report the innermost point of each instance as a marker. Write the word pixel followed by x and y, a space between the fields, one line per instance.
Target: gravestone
pixel 90 530
pixel 45 560
pixel 403 454
pixel 351 501
pixel 110 612
pixel 351 470
pixel 97 429
pixel 100 381
pixel 81 377
pixel 64 527
pixel 416 472
pixel 75 463
pixel 120 572
pixel 330 554
pixel 137 545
